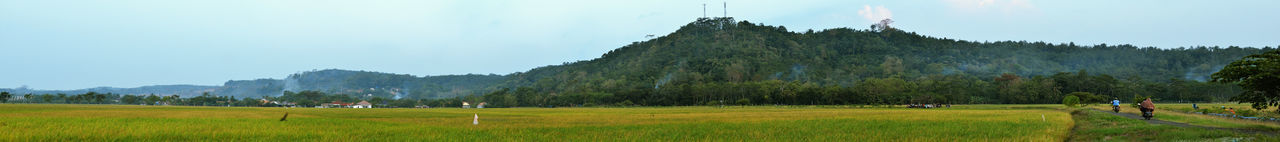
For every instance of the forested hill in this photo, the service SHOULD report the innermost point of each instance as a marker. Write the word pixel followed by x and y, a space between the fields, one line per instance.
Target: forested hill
pixel 365 84
pixel 721 60
pixel 722 50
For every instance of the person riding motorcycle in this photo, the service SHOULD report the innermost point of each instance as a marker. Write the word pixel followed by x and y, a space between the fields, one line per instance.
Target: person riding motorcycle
pixel 1115 104
pixel 1148 109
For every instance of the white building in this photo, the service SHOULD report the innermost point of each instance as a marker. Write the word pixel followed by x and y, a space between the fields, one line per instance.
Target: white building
pixel 362 104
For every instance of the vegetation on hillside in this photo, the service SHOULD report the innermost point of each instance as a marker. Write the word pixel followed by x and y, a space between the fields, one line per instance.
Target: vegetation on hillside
pixel 721 61
pixel 364 83
pixel 1259 74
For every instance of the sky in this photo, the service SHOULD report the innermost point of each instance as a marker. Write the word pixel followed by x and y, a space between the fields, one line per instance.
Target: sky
pixel 75 44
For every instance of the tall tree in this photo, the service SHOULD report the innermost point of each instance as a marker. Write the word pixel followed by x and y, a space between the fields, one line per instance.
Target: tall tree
pixel 129 99
pixel 152 99
pixel 46 98
pixel 4 96
pixel 1259 74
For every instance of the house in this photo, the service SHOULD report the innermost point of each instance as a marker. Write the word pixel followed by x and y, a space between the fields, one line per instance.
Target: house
pixel 363 104
pixel 335 104
pixel 285 103
pixel 481 105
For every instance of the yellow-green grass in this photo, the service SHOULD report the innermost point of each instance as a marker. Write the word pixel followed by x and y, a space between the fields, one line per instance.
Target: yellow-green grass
pixel 1101 126
pixel 27 122
pixel 1241 109
pixel 1163 113
pixel 1001 106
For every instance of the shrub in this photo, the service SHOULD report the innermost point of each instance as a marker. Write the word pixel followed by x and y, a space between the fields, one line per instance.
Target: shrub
pixel 1071 101
pixel 626 103
pixel 1246 112
pixel 1088 98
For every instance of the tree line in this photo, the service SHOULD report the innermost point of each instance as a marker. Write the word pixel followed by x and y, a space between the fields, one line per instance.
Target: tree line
pixel 893 90
pixel 723 61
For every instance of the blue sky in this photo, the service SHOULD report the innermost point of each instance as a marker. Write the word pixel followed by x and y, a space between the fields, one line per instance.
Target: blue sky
pixel 65 44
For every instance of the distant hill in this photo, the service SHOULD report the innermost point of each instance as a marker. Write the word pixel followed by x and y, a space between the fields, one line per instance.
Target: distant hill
pixel 723 50
pixel 364 83
pixel 181 90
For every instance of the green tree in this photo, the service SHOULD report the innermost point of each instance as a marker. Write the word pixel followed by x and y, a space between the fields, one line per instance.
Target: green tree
pixel 509 100
pixel 100 98
pixel 47 98
pixel 1087 98
pixel 63 97
pixel 1258 73
pixel 501 98
pixel 1071 101
pixel 130 99
pixel 4 97
pixel 378 101
pixel 152 99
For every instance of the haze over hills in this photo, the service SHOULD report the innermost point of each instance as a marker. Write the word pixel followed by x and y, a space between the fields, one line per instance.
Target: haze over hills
pixel 723 50
pixel 183 90
pixel 386 85
pixel 365 83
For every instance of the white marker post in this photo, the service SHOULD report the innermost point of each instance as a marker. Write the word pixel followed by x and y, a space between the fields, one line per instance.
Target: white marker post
pixel 476 121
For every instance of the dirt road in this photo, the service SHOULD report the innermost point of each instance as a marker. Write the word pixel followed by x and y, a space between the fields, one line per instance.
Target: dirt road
pixel 1178 124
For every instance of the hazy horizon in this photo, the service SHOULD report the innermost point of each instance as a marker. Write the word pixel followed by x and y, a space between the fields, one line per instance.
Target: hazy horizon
pixel 55 45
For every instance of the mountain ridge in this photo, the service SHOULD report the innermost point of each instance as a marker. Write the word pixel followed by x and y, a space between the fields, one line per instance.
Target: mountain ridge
pixel 725 50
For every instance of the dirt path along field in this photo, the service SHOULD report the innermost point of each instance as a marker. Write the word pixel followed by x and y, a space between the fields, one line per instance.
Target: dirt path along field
pixel 1179 124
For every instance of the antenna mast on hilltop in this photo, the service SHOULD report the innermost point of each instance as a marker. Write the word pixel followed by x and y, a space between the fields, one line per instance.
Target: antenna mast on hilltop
pixel 726 9
pixel 704 10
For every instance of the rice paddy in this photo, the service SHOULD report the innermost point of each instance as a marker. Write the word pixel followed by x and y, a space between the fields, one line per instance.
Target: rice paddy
pixel 44 122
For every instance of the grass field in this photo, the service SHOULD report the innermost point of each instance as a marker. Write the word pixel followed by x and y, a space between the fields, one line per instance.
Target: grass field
pixel 31 122
pixel 1179 113
pixel 1241 109
pixel 1101 126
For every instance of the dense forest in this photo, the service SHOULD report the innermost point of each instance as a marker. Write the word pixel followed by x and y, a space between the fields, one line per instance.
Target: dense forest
pixel 721 61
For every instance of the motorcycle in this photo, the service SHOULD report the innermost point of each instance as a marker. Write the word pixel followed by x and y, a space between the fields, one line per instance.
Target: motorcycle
pixel 1147 115
pixel 1115 108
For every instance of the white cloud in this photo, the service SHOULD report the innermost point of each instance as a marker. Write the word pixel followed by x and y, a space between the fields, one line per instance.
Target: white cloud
pixel 875 14
pixel 985 2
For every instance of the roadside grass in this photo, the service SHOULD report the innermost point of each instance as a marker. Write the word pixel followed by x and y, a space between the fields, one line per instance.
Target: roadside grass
pixel 1200 119
pixel 1006 107
pixel 40 122
pixel 1100 126
pixel 1241 109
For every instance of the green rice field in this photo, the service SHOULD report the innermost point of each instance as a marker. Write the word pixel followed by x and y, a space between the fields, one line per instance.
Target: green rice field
pixel 52 122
